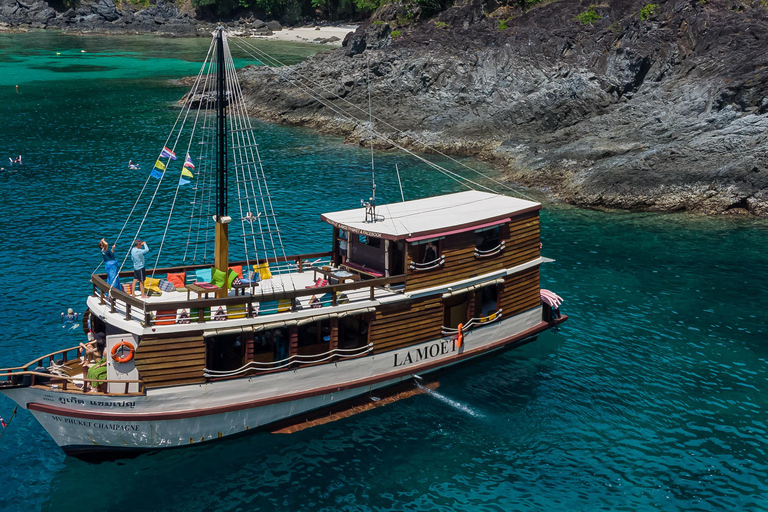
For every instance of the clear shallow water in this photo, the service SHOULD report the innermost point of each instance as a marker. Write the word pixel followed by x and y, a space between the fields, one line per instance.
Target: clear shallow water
pixel 652 396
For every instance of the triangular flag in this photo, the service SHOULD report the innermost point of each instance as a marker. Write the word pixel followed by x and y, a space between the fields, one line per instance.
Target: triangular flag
pixel 167 153
pixel 187 173
pixel 156 174
pixel 188 162
pixel 183 182
pixel 160 165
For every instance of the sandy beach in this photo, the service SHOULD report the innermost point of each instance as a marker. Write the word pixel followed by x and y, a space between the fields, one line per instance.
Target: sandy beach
pixel 318 35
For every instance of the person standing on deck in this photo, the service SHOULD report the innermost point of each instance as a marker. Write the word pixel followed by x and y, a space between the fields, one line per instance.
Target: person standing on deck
pixel 137 255
pixel 110 263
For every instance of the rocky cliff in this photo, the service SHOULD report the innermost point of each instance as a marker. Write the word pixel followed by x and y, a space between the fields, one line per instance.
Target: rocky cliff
pixel 169 18
pixel 623 104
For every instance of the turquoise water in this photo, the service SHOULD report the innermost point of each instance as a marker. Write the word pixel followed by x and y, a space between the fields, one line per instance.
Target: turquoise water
pixel 652 397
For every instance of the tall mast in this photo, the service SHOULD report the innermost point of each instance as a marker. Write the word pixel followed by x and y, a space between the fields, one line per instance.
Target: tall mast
pixel 221 129
pixel 221 254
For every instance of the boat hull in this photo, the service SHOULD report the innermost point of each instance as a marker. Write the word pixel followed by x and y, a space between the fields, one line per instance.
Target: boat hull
pixel 191 414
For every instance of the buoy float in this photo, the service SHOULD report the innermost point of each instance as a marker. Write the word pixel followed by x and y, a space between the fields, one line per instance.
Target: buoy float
pixel 460 337
pixel 123 357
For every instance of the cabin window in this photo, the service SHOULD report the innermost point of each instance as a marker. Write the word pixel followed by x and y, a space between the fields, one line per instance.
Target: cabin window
pixel 370 241
pixel 314 337
pixel 367 251
pixel 429 252
pixel 455 310
pixel 488 239
pixel 270 345
pixel 486 301
pixel 353 331
pixel 426 251
pixel 224 352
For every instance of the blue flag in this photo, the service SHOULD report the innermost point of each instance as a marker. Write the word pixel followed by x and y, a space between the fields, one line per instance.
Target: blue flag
pixel 156 174
pixel 182 181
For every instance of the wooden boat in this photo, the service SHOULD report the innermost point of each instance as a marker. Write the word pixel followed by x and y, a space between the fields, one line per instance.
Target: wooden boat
pixel 406 289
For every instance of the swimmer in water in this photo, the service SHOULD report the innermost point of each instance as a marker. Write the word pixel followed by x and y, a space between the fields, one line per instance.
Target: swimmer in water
pixel 69 318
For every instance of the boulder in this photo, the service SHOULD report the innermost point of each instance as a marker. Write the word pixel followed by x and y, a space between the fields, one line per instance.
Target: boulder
pixel 44 15
pixel 274 25
pixel 106 10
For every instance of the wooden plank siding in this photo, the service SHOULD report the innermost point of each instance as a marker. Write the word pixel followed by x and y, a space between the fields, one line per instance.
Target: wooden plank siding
pixel 401 325
pixel 520 293
pixel 521 236
pixel 171 361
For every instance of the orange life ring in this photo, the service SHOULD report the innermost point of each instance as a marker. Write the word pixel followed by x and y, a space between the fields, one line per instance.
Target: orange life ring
pixel 460 337
pixel 124 358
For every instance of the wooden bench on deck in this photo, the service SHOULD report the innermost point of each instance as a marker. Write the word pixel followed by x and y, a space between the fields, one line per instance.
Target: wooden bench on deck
pixel 362 269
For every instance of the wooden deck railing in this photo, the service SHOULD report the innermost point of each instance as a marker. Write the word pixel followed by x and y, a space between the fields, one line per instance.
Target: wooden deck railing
pixel 113 296
pixel 50 360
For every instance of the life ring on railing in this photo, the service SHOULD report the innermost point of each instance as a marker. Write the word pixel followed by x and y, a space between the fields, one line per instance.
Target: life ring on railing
pixel 123 357
pixel 460 337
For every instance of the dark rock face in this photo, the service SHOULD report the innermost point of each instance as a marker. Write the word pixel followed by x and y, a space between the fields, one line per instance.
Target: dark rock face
pixel 102 16
pixel 665 113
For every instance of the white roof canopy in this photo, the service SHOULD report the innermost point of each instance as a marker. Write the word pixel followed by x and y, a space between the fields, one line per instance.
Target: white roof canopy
pixel 432 215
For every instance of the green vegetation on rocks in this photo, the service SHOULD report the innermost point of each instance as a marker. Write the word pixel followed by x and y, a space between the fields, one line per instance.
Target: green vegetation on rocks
pixel 647 11
pixel 589 16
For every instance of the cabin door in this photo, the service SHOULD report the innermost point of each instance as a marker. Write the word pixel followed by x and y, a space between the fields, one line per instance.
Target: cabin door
pixel 455 310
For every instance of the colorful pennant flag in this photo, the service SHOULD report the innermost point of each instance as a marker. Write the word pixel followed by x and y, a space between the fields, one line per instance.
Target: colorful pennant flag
pixel 167 153
pixel 183 182
pixel 156 174
pixel 188 162
pixel 186 172
pixel 160 165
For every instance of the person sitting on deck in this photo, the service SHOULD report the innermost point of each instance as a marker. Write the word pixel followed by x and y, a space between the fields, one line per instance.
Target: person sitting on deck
pixel 94 351
pixel 70 317
pixel 137 255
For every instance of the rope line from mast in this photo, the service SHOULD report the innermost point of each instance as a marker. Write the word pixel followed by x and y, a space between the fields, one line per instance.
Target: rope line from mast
pixel 240 41
pixel 247 151
pixel 159 183
pixel 463 180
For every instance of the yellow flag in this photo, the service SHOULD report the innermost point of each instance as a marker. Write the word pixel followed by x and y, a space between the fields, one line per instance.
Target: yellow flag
pixel 185 172
pixel 160 165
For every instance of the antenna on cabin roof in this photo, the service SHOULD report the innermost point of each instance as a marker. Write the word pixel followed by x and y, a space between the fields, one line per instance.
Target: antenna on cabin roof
pixel 397 170
pixel 370 206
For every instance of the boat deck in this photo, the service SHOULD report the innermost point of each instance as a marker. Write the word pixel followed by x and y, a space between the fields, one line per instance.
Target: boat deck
pixel 286 293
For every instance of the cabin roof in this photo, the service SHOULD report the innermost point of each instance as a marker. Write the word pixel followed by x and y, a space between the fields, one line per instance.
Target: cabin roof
pixel 432 215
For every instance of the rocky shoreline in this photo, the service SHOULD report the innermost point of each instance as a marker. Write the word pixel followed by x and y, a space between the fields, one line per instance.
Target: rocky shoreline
pixel 164 18
pixel 667 111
